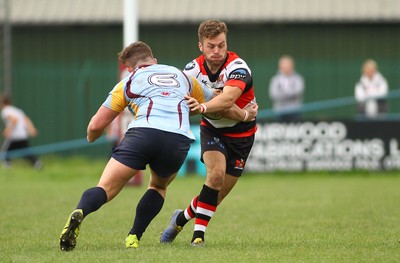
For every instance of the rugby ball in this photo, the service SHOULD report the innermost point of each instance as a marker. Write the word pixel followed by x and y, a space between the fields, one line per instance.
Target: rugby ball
pixel 212 116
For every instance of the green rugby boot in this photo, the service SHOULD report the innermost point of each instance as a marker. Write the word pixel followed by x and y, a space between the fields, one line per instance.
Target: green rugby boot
pixel 71 231
pixel 131 241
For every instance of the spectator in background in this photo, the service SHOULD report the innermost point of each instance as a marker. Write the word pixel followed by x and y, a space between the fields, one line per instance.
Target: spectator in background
pixel 18 129
pixel 286 91
pixel 371 91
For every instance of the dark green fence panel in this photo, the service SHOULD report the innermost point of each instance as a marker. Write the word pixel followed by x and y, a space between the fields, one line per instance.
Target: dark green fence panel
pixel 62 75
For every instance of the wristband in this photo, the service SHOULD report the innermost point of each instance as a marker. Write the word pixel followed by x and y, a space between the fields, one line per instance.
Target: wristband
pixel 203 108
pixel 246 115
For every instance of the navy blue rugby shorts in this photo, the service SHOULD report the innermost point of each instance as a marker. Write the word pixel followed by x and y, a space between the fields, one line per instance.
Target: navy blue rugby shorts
pixel 163 151
pixel 236 150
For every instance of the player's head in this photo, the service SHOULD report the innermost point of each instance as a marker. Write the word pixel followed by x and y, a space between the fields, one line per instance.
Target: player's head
pixel 369 68
pixel 212 41
pixel 4 100
pixel 286 65
pixel 136 54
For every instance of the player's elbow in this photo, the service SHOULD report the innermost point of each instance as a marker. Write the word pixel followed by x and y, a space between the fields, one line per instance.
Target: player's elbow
pixel 92 135
pixel 90 139
pixel 93 131
pixel 92 127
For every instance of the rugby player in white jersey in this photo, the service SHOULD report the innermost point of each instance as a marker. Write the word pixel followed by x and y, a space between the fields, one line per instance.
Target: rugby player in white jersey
pixel 158 136
pixel 225 143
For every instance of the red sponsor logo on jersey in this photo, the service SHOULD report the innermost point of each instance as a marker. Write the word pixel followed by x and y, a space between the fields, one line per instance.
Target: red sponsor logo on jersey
pixel 165 93
pixel 239 164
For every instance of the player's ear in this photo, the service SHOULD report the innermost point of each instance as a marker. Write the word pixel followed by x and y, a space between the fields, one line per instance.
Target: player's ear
pixel 200 46
pixel 155 60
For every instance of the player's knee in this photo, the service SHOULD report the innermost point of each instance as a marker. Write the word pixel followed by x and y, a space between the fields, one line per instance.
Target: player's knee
pixel 159 186
pixel 215 180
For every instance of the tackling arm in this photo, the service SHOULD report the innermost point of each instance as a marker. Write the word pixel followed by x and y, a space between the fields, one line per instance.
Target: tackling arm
pixel 246 114
pixel 11 123
pixel 223 104
pixel 103 117
pixel 223 101
pixel 30 127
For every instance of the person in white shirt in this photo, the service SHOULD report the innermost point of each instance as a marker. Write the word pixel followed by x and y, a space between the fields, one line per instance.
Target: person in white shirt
pixel 286 91
pixel 18 129
pixel 371 91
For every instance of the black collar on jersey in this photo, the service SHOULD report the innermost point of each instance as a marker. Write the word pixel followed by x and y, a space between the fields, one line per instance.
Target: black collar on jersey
pixel 214 77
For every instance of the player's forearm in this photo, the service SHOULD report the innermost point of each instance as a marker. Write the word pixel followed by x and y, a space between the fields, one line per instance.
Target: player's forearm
pixel 246 114
pixel 30 127
pixel 103 117
pixel 220 103
pixel 12 122
pixel 234 113
pixel 7 132
pixel 211 107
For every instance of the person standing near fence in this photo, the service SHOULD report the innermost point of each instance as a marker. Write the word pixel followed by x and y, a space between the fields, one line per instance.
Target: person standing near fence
pixel 286 91
pixel 371 91
pixel 17 132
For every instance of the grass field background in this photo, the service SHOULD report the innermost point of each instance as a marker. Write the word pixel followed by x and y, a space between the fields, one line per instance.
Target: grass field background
pixel 267 218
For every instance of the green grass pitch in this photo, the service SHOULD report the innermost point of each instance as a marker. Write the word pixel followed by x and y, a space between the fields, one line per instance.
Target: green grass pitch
pixel 336 217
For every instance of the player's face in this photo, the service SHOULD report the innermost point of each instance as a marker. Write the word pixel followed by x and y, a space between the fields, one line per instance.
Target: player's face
pixel 286 66
pixel 369 70
pixel 214 50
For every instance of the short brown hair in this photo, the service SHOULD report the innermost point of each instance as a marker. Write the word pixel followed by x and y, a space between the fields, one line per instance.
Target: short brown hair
pixel 137 51
pixel 5 99
pixel 211 28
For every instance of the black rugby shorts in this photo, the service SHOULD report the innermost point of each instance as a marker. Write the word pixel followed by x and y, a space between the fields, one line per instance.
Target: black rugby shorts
pixel 236 150
pixel 163 151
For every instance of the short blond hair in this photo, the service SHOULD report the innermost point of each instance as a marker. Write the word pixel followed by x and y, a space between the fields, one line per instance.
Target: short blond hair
pixel 371 63
pixel 286 57
pixel 135 52
pixel 211 28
